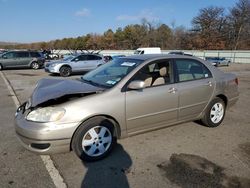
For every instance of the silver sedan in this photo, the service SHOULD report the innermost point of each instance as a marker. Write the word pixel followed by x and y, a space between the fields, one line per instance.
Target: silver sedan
pixel 122 98
pixel 74 63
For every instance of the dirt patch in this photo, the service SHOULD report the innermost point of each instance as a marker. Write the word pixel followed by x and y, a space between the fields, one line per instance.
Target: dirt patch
pixel 187 171
pixel 245 148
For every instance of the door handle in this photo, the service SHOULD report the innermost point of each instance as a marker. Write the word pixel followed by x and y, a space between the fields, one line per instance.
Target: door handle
pixel 209 84
pixel 172 90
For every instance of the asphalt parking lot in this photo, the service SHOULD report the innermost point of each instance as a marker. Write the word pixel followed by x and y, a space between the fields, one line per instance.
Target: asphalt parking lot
pixel 162 158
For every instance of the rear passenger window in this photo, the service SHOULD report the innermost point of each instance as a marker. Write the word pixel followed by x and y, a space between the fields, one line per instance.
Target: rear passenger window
pixel 22 54
pixel 188 70
pixel 81 58
pixel 94 57
pixel 35 54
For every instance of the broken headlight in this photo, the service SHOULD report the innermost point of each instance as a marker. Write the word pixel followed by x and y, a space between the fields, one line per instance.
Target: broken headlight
pixel 47 114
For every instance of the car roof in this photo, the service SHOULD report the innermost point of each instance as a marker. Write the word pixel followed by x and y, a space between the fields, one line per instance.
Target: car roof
pixel 88 54
pixel 145 57
pixel 23 51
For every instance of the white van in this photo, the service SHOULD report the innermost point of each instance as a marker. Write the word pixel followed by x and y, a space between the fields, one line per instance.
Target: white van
pixel 154 50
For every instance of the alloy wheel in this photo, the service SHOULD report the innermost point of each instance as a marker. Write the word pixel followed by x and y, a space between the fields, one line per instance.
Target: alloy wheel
pixel 65 71
pixel 217 112
pixel 96 141
pixel 35 65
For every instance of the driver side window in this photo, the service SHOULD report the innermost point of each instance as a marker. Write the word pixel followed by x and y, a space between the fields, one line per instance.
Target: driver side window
pixel 80 58
pixel 9 55
pixel 156 73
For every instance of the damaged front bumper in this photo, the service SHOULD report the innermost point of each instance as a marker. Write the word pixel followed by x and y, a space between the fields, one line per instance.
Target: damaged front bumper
pixel 51 70
pixel 43 138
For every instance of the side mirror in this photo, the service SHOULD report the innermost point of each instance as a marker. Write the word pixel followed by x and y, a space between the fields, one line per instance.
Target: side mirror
pixel 136 85
pixel 4 57
pixel 75 60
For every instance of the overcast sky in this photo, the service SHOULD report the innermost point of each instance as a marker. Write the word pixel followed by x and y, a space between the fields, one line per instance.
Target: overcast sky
pixel 34 20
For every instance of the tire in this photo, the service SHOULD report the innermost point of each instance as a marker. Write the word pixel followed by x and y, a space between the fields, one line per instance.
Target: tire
pixel 94 139
pixel 65 71
pixel 1 67
pixel 35 65
pixel 214 113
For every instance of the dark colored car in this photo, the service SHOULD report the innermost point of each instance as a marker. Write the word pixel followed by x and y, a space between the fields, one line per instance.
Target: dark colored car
pixel 108 58
pixel 216 61
pixel 179 53
pixel 19 59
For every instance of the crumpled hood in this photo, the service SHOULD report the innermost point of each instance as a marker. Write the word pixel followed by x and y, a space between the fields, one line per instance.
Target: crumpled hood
pixel 47 89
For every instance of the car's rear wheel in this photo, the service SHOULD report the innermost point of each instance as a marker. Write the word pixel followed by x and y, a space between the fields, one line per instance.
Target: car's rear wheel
pixel 94 139
pixel 214 113
pixel 65 71
pixel 1 67
pixel 34 65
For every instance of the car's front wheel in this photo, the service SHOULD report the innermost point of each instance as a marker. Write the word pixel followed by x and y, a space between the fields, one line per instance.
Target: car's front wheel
pixel 35 65
pixel 94 139
pixel 65 71
pixel 1 67
pixel 214 113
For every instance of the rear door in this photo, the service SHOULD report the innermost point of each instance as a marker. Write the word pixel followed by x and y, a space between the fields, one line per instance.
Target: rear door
pixel 195 86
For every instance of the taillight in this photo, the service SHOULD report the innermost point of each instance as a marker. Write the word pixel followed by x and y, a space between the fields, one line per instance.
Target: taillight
pixel 236 81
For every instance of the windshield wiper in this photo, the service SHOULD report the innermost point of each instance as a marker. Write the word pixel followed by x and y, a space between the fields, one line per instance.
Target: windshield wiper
pixel 92 83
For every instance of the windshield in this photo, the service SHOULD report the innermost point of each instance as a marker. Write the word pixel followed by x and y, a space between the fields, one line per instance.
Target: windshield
pixel 111 73
pixel 137 52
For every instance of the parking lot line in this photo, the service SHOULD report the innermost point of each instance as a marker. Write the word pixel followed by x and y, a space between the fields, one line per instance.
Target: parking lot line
pixel 49 164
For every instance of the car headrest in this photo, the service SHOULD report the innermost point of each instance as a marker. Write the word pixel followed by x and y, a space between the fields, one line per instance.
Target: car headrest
pixel 163 71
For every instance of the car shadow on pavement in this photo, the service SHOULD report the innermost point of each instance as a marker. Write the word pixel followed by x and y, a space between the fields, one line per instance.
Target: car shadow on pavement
pixel 109 172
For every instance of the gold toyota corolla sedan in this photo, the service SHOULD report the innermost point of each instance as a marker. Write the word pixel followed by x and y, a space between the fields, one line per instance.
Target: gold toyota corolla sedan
pixel 127 96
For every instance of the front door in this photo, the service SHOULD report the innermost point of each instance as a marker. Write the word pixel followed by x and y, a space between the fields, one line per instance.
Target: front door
pixel 157 104
pixel 9 60
pixel 78 64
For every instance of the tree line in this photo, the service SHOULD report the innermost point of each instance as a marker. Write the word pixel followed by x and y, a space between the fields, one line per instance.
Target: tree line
pixel 214 28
